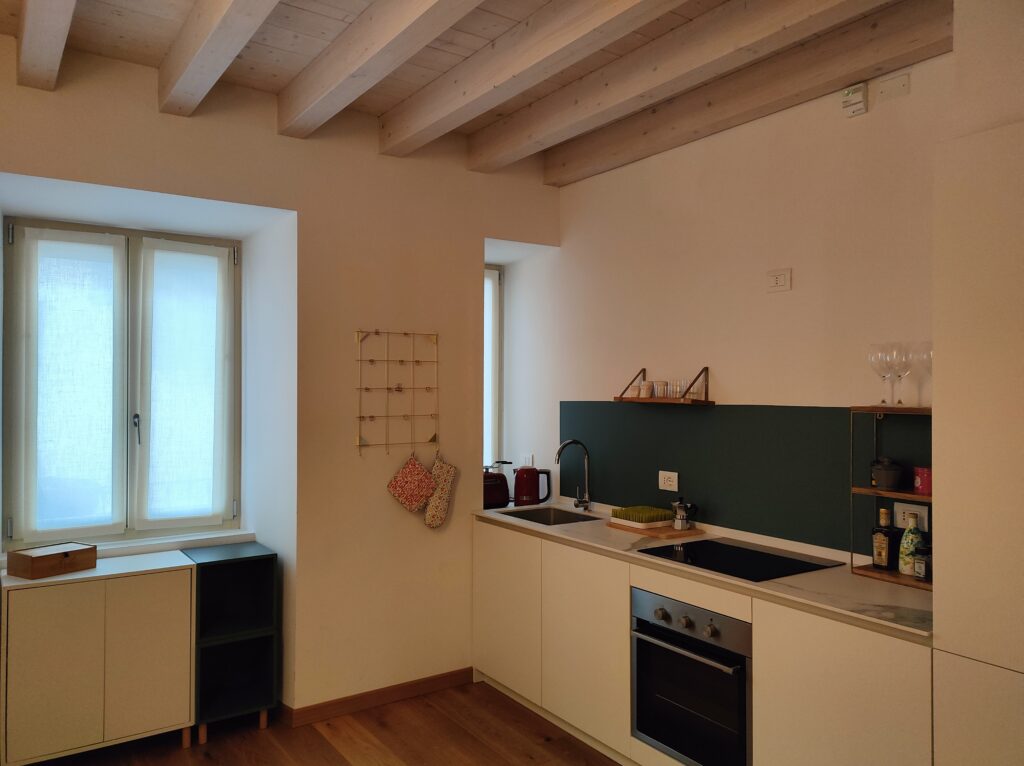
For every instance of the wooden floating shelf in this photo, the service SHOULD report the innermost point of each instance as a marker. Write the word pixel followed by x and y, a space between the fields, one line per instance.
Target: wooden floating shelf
pixel 882 409
pixel 867 570
pixel 663 400
pixel 892 494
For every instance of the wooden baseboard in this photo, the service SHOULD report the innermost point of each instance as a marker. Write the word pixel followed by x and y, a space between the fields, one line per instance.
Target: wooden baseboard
pixel 345 705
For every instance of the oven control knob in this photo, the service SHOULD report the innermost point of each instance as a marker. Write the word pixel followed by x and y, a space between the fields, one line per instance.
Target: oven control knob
pixel 686 622
pixel 661 613
pixel 710 631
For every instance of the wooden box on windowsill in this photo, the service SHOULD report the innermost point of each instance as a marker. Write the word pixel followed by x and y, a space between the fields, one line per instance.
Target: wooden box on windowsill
pixel 50 560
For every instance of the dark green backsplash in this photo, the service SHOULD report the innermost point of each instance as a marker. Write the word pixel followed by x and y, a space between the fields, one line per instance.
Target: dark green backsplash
pixel 779 471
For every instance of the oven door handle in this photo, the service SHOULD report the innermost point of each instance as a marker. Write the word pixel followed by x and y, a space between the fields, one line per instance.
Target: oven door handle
pixel 730 670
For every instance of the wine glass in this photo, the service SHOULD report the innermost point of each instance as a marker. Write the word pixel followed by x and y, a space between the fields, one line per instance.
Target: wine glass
pixel 921 362
pixel 880 363
pixel 900 357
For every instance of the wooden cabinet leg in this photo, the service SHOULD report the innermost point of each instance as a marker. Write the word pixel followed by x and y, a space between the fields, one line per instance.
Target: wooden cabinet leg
pixel 263 718
pixel 202 734
pixel 186 738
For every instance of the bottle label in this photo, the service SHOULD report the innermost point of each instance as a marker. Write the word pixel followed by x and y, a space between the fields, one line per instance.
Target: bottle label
pixel 920 568
pixel 884 517
pixel 880 549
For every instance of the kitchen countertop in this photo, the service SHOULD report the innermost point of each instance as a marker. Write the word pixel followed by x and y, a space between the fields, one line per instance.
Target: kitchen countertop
pixel 834 592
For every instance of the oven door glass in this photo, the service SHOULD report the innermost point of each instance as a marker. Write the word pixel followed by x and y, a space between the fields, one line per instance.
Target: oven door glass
pixel 689 698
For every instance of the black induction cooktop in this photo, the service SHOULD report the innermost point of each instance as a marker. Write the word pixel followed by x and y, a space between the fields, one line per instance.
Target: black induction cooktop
pixel 756 563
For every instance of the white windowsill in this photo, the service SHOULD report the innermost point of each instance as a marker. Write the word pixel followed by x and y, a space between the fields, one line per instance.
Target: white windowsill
pixel 166 543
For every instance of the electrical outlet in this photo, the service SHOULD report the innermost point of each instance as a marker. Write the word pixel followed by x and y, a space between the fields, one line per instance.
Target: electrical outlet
pixel 780 280
pixel 527 459
pixel 901 518
pixel 668 480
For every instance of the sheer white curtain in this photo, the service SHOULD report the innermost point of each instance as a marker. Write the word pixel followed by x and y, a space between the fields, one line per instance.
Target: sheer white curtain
pixel 64 384
pixel 183 337
pixel 492 365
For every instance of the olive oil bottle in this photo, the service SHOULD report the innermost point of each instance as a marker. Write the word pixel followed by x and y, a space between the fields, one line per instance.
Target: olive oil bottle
pixel 885 542
pixel 912 538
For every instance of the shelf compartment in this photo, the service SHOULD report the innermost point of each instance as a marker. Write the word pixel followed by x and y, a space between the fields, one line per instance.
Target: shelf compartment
pixel 867 570
pixel 235 598
pixel 235 678
pixel 892 494
pixel 883 409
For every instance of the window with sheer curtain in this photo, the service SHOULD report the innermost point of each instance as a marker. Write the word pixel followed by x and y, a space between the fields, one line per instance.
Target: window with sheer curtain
pixel 492 364
pixel 120 382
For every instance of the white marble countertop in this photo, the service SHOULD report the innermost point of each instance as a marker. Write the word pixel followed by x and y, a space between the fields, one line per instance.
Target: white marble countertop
pixel 835 592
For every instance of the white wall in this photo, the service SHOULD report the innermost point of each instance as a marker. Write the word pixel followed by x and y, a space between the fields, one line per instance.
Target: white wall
pixel 383 242
pixel 663 262
pixel 270 405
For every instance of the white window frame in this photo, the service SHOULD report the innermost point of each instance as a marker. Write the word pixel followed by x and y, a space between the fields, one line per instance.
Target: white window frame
pixel 133 525
pixel 494 409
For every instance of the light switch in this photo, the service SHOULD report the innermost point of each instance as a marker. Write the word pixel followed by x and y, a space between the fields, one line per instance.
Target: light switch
pixel 780 280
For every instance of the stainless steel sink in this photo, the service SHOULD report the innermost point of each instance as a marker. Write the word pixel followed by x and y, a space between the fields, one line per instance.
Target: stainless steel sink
pixel 549 515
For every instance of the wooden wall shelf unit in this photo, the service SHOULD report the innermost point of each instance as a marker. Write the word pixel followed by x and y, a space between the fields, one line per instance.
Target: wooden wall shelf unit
pixel 883 409
pixel 880 412
pixel 911 497
pixel 894 577
pixel 641 377
pixel 238 625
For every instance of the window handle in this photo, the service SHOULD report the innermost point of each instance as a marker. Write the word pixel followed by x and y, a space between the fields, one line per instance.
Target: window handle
pixel 138 429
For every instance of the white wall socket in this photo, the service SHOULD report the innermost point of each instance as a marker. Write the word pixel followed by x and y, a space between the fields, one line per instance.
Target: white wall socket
pixel 901 518
pixel 668 480
pixel 780 280
pixel 527 459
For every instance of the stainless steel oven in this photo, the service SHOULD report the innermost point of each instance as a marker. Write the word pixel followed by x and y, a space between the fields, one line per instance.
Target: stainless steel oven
pixel 691 681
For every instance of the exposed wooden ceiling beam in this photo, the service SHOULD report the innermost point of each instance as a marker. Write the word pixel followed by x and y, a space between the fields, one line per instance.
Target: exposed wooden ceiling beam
pixel 214 33
pixel 895 37
pixel 383 37
pixel 721 41
pixel 41 39
pixel 554 37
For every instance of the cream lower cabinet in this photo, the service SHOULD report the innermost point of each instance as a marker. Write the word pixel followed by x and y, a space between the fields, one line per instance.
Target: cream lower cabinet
pixel 507 607
pixel 979 712
pixel 54 669
pixel 829 693
pixel 586 662
pixel 95 662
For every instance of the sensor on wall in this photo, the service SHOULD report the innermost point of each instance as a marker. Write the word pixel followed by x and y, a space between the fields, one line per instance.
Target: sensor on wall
pixel 855 99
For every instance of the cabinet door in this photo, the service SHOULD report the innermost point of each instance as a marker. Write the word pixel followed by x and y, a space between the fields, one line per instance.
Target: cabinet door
pixel 978 320
pixel 54 669
pixel 979 712
pixel 506 608
pixel 148 653
pixel 827 692
pixel 586 642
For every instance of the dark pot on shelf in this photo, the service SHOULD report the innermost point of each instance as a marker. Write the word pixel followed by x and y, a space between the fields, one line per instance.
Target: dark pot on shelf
pixel 885 474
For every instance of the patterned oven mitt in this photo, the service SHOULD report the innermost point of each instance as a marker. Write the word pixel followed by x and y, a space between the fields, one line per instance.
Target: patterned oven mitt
pixel 437 509
pixel 413 485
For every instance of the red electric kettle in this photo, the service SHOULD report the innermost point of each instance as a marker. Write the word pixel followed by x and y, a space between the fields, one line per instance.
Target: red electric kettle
pixel 528 485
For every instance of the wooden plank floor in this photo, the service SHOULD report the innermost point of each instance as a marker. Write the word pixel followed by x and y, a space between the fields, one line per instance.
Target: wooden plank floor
pixel 471 725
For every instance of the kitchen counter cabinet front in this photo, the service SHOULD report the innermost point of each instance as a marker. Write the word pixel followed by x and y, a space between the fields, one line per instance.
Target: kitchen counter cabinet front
pixel 507 608
pixel 586 642
pixel 979 712
pixel 828 692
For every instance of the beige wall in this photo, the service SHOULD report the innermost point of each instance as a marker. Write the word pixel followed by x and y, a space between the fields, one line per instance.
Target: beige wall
pixel 663 262
pixel 383 242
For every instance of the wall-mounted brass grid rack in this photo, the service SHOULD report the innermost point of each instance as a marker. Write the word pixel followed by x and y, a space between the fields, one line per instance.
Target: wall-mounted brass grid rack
pixel 397 389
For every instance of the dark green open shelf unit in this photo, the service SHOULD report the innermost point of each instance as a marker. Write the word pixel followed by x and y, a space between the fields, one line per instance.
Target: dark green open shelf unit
pixel 238 641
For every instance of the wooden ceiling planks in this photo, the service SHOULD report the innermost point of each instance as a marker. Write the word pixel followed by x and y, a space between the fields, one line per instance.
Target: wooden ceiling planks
pixel 297 32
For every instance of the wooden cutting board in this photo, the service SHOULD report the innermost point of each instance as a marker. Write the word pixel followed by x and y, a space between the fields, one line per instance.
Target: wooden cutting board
pixel 662 533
